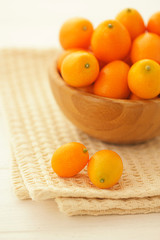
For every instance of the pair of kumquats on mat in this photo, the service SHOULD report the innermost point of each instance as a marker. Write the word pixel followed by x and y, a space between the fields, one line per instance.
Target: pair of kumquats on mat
pixel 119 59
pixel 104 167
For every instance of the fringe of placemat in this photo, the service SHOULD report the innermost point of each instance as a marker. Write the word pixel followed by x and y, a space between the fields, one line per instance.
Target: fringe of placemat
pixel 82 206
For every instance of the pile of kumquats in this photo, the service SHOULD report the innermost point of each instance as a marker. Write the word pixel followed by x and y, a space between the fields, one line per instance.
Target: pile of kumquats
pixel 118 59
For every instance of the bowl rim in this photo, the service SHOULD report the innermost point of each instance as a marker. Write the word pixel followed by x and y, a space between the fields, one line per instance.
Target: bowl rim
pixel 54 74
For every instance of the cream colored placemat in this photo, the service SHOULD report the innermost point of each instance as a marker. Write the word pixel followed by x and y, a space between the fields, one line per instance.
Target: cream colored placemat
pixel 88 206
pixel 37 127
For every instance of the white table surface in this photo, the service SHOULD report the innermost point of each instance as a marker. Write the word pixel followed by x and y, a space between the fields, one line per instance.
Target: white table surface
pixel 35 23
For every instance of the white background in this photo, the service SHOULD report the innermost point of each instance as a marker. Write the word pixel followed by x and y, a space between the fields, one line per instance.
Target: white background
pixel 36 23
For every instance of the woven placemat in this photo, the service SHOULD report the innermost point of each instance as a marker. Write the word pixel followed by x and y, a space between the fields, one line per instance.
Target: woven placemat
pixel 89 206
pixel 37 127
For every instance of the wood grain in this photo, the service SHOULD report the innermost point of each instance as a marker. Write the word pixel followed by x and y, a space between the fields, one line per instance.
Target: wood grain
pixel 111 120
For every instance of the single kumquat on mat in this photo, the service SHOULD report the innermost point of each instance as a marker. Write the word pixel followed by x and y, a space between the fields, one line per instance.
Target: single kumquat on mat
pixel 80 69
pixel 146 46
pixel 154 23
pixel 110 41
pixel 76 33
pixel 69 159
pixel 133 21
pixel 105 168
pixel 144 79
pixel 113 81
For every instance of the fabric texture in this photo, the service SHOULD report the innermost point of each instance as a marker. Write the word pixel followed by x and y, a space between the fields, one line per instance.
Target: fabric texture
pixel 36 128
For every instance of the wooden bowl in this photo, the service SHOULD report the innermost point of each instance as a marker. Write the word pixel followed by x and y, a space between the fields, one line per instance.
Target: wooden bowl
pixel 111 120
